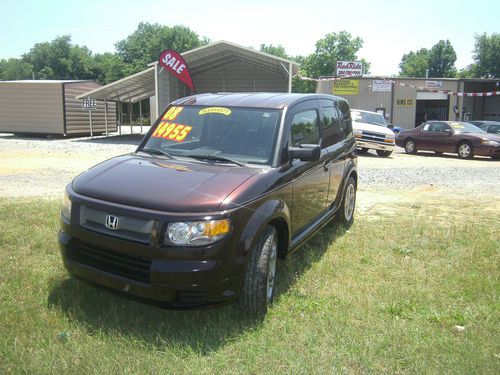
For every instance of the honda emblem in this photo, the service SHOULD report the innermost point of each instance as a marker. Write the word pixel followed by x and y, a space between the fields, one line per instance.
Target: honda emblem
pixel 112 222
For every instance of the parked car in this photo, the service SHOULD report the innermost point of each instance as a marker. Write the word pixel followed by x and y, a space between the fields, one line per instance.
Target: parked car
pixel 461 138
pixel 371 132
pixel 220 187
pixel 488 126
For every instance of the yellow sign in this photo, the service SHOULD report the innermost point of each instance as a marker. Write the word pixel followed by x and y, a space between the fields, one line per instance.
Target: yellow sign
pixel 346 87
pixel 220 110
pixel 405 102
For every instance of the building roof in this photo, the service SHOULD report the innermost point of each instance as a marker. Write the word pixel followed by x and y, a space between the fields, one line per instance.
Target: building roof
pixel 38 81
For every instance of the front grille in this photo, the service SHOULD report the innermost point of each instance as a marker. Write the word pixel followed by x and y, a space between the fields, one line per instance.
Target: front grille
pixel 125 265
pixel 374 137
pixel 128 228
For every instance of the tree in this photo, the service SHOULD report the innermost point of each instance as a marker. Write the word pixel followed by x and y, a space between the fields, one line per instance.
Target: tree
pixel 278 50
pixel 13 69
pixel 109 67
pixel 145 44
pixel 332 48
pixel 487 56
pixel 60 59
pixel 442 59
pixel 414 64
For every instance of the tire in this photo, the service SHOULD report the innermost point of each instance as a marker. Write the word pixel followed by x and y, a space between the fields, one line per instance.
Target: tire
pixel 363 150
pixel 410 147
pixel 345 214
pixel 383 153
pixel 465 150
pixel 257 292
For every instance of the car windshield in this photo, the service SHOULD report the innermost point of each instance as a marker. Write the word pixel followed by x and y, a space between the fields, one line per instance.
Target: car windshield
pixel 216 134
pixel 370 118
pixel 465 127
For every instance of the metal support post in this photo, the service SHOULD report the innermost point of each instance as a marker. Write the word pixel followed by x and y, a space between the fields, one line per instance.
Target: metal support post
pixel 140 113
pixel 90 120
pixel 106 115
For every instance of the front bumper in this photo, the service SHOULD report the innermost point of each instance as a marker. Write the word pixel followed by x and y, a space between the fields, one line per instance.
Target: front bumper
pixel 485 150
pixel 177 276
pixel 374 145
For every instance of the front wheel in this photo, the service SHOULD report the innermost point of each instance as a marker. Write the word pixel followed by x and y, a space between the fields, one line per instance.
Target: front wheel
pixel 257 292
pixel 410 147
pixel 345 214
pixel 465 150
pixel 383 153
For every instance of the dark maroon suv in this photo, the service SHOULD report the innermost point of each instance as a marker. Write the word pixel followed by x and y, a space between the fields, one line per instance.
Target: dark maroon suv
pixel 220 187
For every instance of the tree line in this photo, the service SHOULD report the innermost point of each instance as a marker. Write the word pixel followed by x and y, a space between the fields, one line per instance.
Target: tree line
pixel 61 59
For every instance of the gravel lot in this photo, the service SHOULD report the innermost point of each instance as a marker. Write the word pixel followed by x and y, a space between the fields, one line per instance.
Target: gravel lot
pixel 42 167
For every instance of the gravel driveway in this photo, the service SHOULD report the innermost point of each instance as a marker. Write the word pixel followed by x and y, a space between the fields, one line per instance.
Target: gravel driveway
pixel 42 167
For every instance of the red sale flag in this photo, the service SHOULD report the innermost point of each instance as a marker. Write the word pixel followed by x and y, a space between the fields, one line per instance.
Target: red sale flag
pixel 175 64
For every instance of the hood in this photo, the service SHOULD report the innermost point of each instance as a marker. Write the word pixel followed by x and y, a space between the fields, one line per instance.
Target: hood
pixel 161 184
pixel 371 128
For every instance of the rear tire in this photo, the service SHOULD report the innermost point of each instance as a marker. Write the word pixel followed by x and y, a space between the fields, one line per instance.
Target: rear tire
pixel 345 214
pixel 383 153
pixel 363 150
pixel 257 292
pixel 410 147
pixel 465 150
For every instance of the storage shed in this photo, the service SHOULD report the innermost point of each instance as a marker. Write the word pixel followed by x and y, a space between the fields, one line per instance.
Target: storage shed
pixel 51 107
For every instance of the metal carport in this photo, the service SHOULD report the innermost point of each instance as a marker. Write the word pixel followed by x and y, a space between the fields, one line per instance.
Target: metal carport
pixel 220 66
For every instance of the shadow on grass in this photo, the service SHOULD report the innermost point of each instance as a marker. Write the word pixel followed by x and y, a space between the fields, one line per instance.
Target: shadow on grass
pixel 202 331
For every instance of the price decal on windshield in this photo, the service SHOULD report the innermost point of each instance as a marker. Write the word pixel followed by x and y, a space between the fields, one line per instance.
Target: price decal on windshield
pixel 172 131
pixel 172 113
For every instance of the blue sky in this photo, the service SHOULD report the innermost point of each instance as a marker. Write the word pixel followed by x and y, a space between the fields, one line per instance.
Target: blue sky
pixel 389 28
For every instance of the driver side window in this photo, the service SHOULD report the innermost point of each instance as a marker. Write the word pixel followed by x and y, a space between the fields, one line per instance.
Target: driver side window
pixel 305 128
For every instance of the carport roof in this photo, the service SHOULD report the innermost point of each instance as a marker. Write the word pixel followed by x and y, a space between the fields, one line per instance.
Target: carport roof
pixel 135 87
pixel 142 85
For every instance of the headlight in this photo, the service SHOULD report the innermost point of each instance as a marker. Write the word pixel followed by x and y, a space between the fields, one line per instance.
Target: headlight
pixel 490 143
pixel 389 136
pixel 197 233
pixel 358 133
pixel 66 206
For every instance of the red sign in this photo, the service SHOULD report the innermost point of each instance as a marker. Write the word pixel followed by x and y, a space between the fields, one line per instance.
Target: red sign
pixel 175 64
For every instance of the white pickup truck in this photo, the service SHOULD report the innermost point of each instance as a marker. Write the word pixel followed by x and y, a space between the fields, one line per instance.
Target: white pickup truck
pixel 371 132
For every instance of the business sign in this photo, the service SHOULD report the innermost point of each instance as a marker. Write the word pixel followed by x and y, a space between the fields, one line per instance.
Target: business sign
pixel 89 104
pixel 349 68
pixel 346 87
pixel 433 85
pixel 381 85
pixel 405 102
pixel 175 64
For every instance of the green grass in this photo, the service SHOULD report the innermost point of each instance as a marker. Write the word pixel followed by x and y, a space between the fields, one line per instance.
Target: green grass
pixel 382 297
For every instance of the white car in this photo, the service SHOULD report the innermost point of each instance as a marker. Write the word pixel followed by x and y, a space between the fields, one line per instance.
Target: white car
pixel 371 132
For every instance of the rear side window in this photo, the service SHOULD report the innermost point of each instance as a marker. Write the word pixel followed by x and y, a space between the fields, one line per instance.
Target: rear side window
pixel 331 123
pixel 345 120
pixel 305 128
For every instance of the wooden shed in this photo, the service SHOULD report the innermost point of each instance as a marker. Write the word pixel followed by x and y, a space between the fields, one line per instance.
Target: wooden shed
pixel 51 107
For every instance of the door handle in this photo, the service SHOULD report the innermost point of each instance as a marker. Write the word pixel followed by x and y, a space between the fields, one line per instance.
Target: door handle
pixel 326 165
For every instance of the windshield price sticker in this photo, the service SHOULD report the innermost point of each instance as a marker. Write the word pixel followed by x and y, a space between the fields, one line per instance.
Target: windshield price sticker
pixel 456 125
pixel 219 110
pixel 172 131
pixel 172 113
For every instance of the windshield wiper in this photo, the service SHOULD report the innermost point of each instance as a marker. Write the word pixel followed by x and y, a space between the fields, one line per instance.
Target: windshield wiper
pixel 215 158
pixel 156 151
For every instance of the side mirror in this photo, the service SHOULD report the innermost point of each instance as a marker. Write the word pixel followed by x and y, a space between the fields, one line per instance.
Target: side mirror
pixel 305 152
